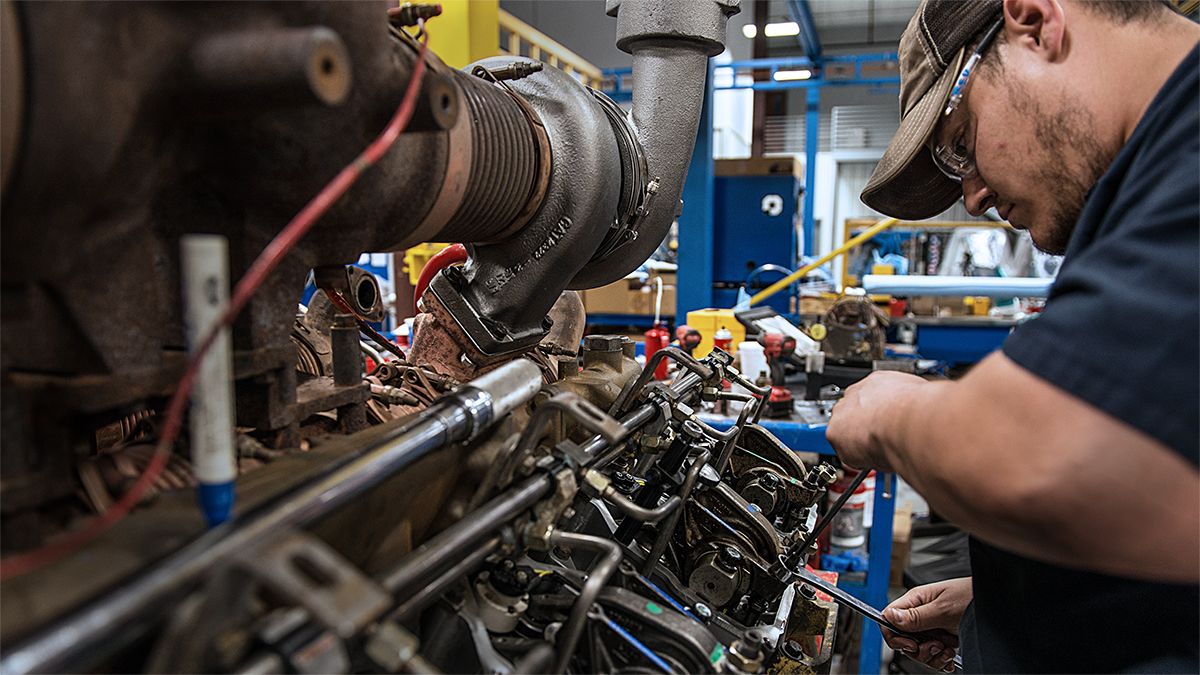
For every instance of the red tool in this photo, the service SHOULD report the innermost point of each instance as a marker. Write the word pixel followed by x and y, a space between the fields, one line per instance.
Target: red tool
pixel 688 338
pixel 658 338
pixel 777 348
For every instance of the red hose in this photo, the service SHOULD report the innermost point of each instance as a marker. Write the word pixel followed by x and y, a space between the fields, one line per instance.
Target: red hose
pixel 451 255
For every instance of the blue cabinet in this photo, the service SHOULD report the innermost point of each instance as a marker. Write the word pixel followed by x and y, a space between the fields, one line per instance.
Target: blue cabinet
pixel 754 216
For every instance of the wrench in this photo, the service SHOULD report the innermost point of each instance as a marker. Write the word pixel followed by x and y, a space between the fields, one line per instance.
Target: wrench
pixel 844 598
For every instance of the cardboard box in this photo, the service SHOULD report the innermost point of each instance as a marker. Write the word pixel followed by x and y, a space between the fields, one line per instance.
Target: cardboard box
pixel 759 166
pixel 816 305
pixel 930 305
pixel 901 545
pixel 631 296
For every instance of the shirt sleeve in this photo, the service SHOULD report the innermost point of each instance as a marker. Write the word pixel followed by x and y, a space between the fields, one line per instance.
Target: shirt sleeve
pixel 1120 328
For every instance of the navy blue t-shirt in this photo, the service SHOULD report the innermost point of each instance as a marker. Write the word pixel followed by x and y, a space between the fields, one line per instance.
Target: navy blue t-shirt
pixel 1120 331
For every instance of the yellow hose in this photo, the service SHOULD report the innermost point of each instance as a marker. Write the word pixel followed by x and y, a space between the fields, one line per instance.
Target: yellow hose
pixel 803 271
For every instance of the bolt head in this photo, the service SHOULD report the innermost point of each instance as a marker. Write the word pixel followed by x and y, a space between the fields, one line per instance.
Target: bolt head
pixel 703 612
pixel 603 343
pixel 793 650
pixel 730 556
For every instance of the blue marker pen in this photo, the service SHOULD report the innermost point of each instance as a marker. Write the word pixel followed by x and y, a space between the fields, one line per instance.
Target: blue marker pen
pixel 204 266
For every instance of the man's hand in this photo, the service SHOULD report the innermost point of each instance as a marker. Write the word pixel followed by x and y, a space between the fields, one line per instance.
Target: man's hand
pixel 866 408
pixel 933 607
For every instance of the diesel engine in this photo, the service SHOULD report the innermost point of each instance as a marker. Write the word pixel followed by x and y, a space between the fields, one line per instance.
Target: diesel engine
pixel 509 495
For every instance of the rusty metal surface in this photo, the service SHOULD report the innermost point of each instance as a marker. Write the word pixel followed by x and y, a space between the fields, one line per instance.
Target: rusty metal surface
pixel 147 149
pixel 371 532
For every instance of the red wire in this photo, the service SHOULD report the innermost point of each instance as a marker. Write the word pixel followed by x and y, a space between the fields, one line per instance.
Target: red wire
pixel 452 254
pixel 267 261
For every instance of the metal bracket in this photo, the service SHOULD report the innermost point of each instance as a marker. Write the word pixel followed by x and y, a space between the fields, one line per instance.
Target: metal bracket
pixel 576 408
pixel 309 573
pixel 537 534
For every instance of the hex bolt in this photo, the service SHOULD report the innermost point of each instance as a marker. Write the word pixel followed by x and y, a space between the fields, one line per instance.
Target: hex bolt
pixel 793 650
pixel 603 343
pixel 709 478
pixel 808 592
pixel 751 642
pixel 729 557
pixel 703 612
pixel 769 480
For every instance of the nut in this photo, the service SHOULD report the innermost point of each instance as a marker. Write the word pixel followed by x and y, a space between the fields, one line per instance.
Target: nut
pixel 603 343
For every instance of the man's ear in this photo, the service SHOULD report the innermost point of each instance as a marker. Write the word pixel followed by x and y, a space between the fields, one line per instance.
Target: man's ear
pixel 1037 25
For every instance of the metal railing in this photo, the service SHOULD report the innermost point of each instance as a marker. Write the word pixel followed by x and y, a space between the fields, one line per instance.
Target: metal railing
pixel 518 38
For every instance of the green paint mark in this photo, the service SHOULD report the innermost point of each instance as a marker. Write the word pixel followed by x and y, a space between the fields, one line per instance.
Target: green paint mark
pixel 653 608
pixel 716 654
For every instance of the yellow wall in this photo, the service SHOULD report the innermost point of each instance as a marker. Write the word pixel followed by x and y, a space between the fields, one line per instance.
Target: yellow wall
pixel 466 31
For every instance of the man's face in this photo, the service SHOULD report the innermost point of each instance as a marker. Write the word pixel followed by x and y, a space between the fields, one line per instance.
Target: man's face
pixel 1035 154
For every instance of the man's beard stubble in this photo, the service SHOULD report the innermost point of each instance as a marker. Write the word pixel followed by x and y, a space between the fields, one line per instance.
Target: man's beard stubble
pixel 1072 160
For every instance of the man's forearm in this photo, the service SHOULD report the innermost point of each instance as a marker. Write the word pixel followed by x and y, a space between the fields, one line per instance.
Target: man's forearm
pixel 1026 467
pixel 921 438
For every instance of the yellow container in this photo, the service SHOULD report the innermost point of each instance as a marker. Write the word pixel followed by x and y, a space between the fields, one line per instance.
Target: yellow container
pixel 708 322
pixel 417 257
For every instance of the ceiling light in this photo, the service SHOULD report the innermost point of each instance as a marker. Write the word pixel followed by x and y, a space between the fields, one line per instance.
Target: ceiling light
pixel 789 75
pixel 750 30
pixel 782 29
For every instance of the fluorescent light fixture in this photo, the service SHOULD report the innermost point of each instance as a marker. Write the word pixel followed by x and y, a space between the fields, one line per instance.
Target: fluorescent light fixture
pixel 782 29
pixel 786 29
pixel 790 75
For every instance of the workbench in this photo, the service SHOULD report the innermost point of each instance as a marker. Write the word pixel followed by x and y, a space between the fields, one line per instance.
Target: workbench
pixel 959 340
pixel 807 434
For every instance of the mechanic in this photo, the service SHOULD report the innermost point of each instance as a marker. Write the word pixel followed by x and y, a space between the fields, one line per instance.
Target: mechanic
pixel 1070 455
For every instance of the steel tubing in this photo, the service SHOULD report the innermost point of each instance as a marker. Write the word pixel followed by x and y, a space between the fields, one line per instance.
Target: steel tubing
pixel 462 415
pixel 610 557
pixel 434 589
pixel 668 527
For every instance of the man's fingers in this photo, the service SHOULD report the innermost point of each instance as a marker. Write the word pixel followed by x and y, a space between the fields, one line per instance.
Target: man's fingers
pixel 901 643
pixel 913 597
pixel 945 637
pixel 911 618
pixel 929 651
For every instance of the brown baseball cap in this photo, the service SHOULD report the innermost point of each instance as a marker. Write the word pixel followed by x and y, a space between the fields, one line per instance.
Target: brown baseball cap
pixel 906 183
